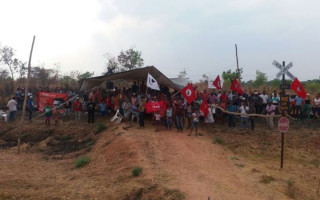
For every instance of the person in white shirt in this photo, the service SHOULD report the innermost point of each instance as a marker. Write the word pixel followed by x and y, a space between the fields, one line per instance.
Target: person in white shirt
pixel 243 109
pixel 264 98
pixel 12 105
pixel 270 111
pixel 316 106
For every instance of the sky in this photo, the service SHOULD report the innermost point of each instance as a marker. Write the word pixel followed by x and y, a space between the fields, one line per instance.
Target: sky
pixel 173 35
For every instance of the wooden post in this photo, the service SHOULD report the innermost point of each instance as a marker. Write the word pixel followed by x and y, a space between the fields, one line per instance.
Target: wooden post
pixel 238 71
pixel 25 96
pixel 284 115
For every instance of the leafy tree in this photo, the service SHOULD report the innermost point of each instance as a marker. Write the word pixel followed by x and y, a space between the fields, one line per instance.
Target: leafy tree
pixel 261 78
pixel 7 58
pixel 130 59
pixel 229 75
pixel 112 64
pixel 85 75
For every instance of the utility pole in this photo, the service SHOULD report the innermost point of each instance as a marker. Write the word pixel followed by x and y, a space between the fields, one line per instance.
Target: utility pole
pixel 25 96
pixel 238 71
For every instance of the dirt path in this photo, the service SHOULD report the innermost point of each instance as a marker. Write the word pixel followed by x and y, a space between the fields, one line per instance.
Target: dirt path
pixel 197 167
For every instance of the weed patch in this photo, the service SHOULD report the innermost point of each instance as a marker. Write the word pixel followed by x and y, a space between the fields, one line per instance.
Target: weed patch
pixel 100 128
pixel 107 143
pixel 266 179
pixel 65 137
pixel 48 132
pixel 315 162
pixel 218 140
pixel 174 194
pixel 136 171
pixel 81 162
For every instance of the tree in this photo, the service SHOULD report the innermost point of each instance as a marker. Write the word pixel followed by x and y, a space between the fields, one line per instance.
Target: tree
pixel 261 78
pixel 42 75
pixel 85 75
pixel 229 75
pixel 7 58
pixel 112 64
pixel 130 59
pixel 183 74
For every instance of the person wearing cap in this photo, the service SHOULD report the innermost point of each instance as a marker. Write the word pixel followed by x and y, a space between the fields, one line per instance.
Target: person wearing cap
pixel 77 107
pixel 30 107
pixel 12 105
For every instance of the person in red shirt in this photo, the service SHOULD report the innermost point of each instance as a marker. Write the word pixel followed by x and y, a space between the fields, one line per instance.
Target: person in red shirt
pixel 77 105
pixel 224 97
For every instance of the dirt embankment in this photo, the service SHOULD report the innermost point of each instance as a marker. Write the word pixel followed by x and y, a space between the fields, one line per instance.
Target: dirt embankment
pixel 220 164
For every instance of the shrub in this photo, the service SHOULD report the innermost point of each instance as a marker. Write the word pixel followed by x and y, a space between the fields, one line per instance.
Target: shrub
pixel 174 194
pixel 266 179
pixel 100 128
pixel 218 140
pixel 136 171
pixel 65 137
pixel 82 162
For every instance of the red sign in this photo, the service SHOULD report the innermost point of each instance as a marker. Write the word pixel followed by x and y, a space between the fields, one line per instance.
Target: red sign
pixel 47 97
pixel 152 107
pixel 283 124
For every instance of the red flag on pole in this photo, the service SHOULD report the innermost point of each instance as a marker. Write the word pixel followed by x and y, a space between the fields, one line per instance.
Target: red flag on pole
pixel 217 83
pixel 188 93
pixel 236 87
pixel 298 88
pixel 204 106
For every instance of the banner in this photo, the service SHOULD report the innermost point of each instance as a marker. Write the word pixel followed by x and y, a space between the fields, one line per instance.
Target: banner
pixel 155 106
pixel 46 97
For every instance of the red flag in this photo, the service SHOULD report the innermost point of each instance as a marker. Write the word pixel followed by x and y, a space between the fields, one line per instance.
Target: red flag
pixel 217 83
pixel 204 107
pixel 298 88
pixel 155 106
pixel 236 87
pixel 188 93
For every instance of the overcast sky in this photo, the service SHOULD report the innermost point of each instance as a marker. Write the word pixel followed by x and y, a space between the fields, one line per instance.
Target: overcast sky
pixel 173 35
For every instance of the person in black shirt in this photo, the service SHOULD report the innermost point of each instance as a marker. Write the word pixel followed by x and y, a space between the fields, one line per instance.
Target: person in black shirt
pixel 91 109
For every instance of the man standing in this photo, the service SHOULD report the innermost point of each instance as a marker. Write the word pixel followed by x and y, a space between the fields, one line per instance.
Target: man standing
pixel 12 105
pixel 179 113
pixel 141 110
pixel 77 106
pixel 298 104
pixel 91 109
pixel 30 107
pixel 270 109
pixel 143 88
pixel 264 98
pixel 18 99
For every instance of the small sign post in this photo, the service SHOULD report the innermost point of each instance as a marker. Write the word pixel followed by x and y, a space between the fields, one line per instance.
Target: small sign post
pixel 283 123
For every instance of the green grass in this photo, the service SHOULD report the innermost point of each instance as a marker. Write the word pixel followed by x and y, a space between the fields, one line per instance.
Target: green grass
pixel 49 131
pixel 81 162
pixel 100 128
pixel 174 194
pixel 136 171
pixel 218 140
pixel 65 137
pixel 89 142
pixel 266 179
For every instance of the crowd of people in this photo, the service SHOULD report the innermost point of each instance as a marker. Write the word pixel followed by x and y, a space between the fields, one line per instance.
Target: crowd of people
pixel 176 112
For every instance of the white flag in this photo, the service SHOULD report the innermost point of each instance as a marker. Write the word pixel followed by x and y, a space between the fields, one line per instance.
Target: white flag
pixel 152 83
